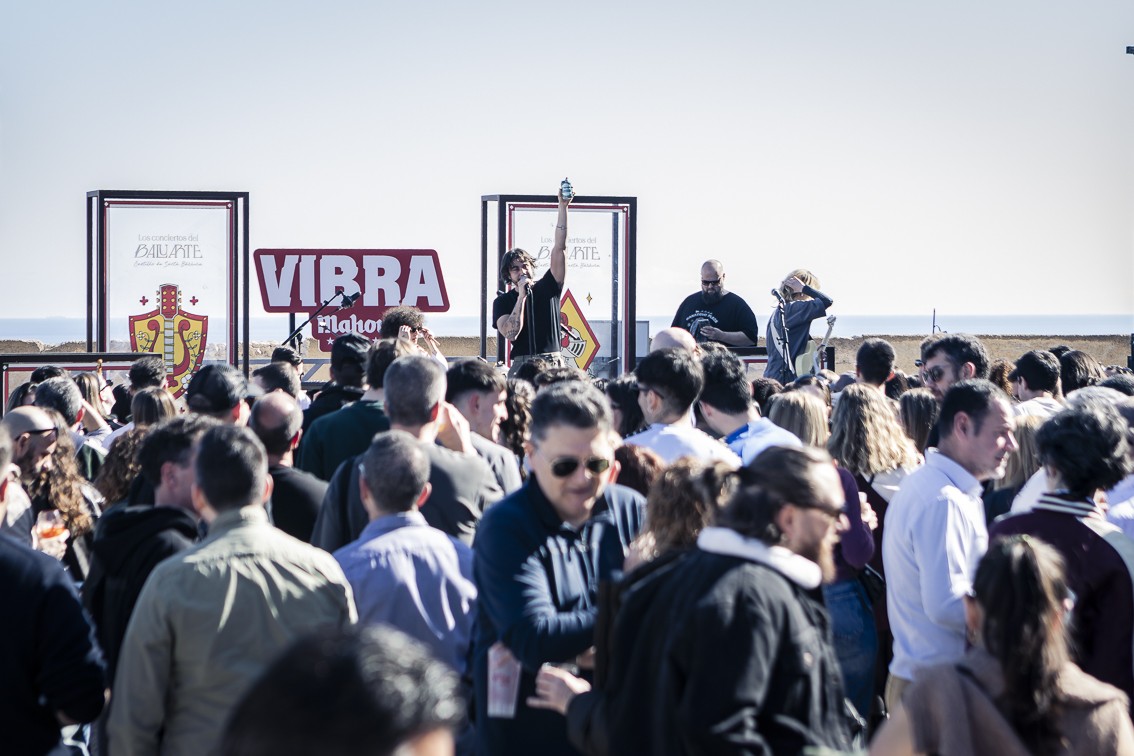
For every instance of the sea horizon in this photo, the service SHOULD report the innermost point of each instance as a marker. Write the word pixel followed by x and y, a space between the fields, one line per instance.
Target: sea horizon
pixel 59 330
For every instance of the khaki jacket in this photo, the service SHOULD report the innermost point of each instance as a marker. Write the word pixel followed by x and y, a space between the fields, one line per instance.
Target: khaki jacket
pixel 208 622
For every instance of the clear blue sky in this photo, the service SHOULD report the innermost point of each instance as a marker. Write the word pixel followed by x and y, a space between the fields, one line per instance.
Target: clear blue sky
pixel 971 156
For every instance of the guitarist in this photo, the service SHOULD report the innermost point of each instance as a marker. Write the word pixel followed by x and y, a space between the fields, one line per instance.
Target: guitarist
pixel 799 303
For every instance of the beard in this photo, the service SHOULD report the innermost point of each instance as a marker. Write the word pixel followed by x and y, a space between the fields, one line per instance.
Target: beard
pixel 823 554
pixel 712 297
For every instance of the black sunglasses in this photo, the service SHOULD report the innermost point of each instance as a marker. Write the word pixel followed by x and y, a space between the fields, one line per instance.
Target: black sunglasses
pixel 934 374
pixel 714 282
pixel 564 466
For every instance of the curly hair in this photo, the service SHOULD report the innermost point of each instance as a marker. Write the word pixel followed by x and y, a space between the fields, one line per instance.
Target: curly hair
pixel 866 437
pixel 121 467
pixel 683 500
pixel 515 429
pixel 58 484
pixel 1088 447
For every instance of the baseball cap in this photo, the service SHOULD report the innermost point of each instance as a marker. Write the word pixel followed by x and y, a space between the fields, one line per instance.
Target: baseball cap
pixel 216 388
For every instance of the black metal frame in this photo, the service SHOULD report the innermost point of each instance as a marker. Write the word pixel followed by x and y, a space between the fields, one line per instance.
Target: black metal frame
pixel 630 274
pixel 96 268
pixel 38 359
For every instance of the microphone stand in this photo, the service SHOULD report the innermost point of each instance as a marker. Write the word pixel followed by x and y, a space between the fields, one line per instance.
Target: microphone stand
pixel 788 369
pixel 346 302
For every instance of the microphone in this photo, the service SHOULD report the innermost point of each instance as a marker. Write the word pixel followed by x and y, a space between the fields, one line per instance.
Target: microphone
pixel 776 293
pixel 349 300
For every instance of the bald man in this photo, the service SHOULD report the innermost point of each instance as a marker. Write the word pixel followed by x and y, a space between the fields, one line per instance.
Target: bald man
pixel 675 338
pixel 277 421
pixel 715 314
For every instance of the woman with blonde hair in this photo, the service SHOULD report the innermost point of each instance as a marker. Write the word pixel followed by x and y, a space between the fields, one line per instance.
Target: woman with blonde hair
pixel 803 414
pixel 789 327
pixel 918 410
pixel 1022 465
pixel 869 442
pixel 853 626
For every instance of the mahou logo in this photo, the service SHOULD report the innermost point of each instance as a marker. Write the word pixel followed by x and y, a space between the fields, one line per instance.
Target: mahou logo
pixel 300 280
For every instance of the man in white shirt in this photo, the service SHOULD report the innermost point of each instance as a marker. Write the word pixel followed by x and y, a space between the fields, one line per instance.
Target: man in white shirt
pixel 669 381
pixel 1036 380
pixel 935 530
pixel 727 406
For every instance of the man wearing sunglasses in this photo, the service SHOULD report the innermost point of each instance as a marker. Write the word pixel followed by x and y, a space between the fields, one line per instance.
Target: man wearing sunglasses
pixel 950 358
pixel 715 314
pixel 539 557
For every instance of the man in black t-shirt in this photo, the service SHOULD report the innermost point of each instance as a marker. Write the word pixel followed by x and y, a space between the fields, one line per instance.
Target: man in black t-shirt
pixel 714 314
pixel 528 314
pixel 296 495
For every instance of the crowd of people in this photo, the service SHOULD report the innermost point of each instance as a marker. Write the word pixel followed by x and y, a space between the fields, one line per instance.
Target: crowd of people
pixel 429 556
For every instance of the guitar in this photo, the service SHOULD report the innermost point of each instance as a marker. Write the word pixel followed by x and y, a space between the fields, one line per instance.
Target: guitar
pixel 808 362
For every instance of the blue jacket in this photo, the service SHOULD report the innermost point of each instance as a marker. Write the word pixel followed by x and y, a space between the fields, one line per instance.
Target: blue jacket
pixel 537 580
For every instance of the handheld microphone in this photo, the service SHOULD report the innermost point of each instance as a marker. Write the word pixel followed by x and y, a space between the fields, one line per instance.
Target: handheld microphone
pixel 349 300
pixel 776 293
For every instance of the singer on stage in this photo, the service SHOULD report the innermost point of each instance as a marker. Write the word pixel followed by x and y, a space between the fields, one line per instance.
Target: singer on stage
pixel 528 314
pixel 799 303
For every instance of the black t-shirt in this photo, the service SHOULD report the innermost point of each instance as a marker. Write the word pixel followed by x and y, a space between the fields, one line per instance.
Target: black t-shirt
pixel 296 499
pixel 730 314
pixel 543 306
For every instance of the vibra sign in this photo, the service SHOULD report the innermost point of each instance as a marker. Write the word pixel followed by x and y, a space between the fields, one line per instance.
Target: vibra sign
pixel 299 280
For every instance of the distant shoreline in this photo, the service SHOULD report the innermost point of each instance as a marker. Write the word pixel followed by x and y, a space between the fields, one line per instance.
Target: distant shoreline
pixel 1107 349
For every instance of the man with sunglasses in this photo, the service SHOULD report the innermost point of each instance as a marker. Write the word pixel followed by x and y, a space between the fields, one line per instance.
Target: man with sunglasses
pixel 950 358
pixel 715 314
pixel 540 554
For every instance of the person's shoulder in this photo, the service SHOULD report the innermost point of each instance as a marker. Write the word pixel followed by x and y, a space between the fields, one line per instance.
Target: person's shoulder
pixel 18 559
pixel 735 300
pixel 510 516
pixel 1082 690
pixel 457 463
pixel 293 477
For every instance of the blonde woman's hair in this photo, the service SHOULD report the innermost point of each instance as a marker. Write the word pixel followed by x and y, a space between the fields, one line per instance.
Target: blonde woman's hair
pixel 866 437
pixel 803 414
pixel 805 276
pixel 1022 463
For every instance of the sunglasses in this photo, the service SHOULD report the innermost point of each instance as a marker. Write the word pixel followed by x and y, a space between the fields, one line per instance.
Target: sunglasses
pixel 934 374
pixel 714 282
pixel 564 466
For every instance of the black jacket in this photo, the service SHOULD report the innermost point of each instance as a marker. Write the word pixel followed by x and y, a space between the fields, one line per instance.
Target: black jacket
pixel 713 653
pixel 330 398
pixel 537 580
pixel 128 544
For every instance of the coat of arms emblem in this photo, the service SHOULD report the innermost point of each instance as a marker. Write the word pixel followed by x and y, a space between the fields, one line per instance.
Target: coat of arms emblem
pixel 174 334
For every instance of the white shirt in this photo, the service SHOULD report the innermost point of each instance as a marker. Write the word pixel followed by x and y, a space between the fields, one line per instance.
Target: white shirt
pixel 670 442
pixel 1043 406
pixel 758 435
pixel 935 535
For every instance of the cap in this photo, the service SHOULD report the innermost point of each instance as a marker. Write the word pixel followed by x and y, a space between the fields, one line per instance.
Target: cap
pixel 216 388
pixel 27 420
pixel 350 348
